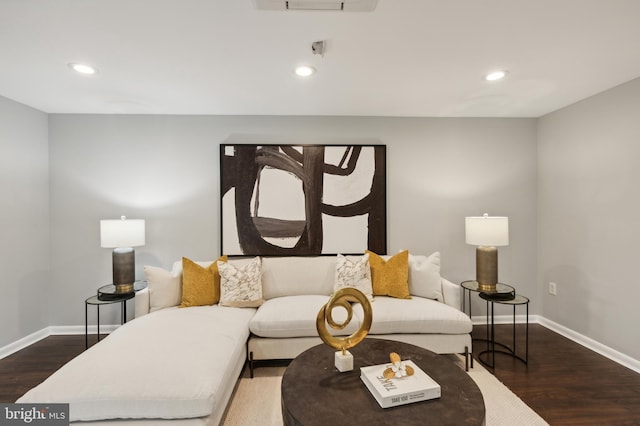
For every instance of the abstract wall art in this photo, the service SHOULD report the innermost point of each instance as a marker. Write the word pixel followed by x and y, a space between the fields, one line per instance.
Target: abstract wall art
pixel 284 200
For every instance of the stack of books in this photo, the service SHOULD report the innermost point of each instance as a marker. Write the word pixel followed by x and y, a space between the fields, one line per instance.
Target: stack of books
pixel 399 391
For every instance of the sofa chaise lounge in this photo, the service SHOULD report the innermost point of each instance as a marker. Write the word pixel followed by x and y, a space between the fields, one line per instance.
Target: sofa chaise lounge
pixel 180 365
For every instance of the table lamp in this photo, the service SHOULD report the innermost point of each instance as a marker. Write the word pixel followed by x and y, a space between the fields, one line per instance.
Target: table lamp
pixel 487 232
pixel 122 235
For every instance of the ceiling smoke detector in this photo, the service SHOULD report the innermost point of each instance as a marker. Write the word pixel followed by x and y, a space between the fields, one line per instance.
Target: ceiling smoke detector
pixel 318 47
pixel 344 5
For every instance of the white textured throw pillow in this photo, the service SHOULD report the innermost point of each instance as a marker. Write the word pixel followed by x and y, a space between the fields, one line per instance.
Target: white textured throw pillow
pixel 424 276
pixel 355 272
pixel 165 288
pixel 241 287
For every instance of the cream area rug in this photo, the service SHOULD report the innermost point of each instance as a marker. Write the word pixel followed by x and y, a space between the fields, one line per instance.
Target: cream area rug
pixel 257 401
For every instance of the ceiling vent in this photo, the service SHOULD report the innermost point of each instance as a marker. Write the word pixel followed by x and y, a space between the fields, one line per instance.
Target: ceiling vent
pixel 344 5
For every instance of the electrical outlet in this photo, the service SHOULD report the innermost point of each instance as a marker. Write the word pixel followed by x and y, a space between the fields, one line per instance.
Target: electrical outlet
pixel 552 288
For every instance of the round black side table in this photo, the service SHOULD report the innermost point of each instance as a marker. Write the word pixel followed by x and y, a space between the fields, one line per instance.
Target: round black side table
pixel 502 291
pixel 110 291
pixel 107 295
pixel 518 300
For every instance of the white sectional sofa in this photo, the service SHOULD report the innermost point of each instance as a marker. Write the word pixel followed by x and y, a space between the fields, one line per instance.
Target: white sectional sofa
pixel 295 289
pixel 179 365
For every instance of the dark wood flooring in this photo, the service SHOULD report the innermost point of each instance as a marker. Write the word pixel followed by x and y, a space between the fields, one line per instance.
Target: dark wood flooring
pixel 564 383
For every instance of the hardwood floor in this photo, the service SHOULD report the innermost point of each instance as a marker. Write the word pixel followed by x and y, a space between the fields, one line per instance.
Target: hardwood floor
pixel 28 367
pixel 564 382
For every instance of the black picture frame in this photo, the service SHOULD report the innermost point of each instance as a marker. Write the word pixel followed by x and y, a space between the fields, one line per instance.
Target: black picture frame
pixel 290 200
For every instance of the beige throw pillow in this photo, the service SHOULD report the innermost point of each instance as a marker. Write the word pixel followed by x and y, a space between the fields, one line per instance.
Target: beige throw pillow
pixel 424 276
pixel 164 288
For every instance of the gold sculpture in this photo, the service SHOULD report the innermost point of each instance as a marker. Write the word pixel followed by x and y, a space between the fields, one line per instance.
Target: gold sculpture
pixel 398 368
pixel 342 298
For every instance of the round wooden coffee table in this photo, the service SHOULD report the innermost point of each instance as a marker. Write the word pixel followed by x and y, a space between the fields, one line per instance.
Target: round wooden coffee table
pixel 315 393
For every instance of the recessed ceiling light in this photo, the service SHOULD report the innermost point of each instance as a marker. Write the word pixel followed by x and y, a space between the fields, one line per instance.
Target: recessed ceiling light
pixel 305 71
pixel 495 75
pixel 82 68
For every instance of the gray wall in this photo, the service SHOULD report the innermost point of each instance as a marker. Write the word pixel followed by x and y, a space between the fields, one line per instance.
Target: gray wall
pixel 588 221
pixel 165 169
pixel 567 181
pixel 24 221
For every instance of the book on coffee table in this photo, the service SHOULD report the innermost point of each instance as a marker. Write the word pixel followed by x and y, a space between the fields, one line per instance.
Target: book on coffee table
pixel 399 391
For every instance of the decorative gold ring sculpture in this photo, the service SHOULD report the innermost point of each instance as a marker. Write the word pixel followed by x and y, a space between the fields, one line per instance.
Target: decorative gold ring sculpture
pixel 342 298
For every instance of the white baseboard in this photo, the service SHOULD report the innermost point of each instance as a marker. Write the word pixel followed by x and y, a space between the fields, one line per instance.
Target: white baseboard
pixel 79 329
pixel 581 339
pixel 32 338
pixel 504 319
pixel 589 343
pixel 23 343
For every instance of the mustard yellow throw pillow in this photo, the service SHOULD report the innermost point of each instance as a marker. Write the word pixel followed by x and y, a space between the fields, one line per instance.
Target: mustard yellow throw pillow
pixel 200 285
pixel 390 277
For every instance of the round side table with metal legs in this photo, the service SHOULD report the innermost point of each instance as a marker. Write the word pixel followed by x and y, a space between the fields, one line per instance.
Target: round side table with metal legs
pixel 518 300
pixel 97 302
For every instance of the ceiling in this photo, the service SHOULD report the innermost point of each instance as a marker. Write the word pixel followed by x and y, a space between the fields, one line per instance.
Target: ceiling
pixel 411 58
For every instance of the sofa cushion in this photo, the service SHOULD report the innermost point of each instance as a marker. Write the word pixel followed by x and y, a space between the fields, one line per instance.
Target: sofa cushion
pixel 297 275
pixel 390 276
pixel 164 286
pixel 295 316
pixel 354 272
pixel 416 315
pixel 424 276
pixel 241 286
pixel 200 284
pixel 170 364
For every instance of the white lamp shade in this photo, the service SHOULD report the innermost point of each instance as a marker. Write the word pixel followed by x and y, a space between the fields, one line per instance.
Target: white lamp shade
pixel 487 230
pixel 121 233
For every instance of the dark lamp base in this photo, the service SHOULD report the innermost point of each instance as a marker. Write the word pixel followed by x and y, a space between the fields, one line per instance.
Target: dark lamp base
pixel 487 267
pixel 124 273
